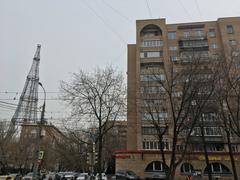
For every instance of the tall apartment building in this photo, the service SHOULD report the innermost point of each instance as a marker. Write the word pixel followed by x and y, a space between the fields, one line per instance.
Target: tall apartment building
pixel 157 46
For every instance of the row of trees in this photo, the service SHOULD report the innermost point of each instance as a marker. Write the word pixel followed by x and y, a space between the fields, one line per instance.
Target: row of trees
pixel 187 90
pixel 97 100
pixel 62 151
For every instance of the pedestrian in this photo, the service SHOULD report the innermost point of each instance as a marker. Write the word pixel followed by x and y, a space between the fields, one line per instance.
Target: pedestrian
pixel 189 177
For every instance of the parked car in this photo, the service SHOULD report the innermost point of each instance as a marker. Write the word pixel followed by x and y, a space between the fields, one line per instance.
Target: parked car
pixel 83 176
pixel 156 176
pixel 126 175
pixel 59 175
pixel 6 177
pixel 16 176
pixel 50 175
pixel 104 177
pixel 70 175
pixel 28 176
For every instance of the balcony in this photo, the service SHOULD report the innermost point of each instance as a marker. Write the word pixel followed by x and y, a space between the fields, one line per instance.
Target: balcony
pixel 196 45
pixel 189 38
pixel 207 139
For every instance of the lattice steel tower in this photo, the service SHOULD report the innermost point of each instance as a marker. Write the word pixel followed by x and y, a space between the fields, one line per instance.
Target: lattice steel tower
pixel 27 106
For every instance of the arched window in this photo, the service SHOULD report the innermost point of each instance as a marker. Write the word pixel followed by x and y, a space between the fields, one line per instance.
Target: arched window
pixel 151 30
pixel 186 168
pixel 217 168
pixel 156 166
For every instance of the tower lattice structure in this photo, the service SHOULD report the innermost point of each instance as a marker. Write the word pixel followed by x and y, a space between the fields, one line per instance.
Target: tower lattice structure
pixel 27 106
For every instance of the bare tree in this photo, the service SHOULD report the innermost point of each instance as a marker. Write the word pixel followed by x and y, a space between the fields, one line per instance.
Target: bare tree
pixel 228 96
pixel 183 89
pixel 3 145
pixel 98 97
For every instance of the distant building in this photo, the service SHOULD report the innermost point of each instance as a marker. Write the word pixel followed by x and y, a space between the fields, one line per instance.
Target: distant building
pixel 51 136
pixel 158 44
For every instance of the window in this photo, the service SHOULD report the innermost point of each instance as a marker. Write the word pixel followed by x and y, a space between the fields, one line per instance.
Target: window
pixel 173 48
pixel 155 145
pixel 234 147
pixel 154 116
pixel 152 77
pixel 156 166
pixel 208 131
pixel 217 168
pixel 43 132
pixel 232 42
pixel 215 147
pixel 152 89
pixel 150 31
pixel 151 54
pixel 212 33
pixel 212 131
pixel 230 29
pixel 34 131
pixel 153 130
pixel 152 43
pixel 191 55
pixel 214 45
pixel 186 34
pixel 192 44
pixel 199 33
pixel 174 58
pixel 180 147
pixel 150 65
pixel 177 94
pixel 186 168
pixel 172 35
pixel 153 102
pixel 209 117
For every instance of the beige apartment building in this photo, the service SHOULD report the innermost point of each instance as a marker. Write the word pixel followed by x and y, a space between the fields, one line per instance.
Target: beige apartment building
pixel 157 46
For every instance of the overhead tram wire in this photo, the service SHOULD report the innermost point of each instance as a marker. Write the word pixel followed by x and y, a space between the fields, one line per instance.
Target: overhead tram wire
pixel 118 12
pixel 104 22
pixel 3 102
pixel 16 92
pixel 186 11
pixel 149 9
pixel 198 8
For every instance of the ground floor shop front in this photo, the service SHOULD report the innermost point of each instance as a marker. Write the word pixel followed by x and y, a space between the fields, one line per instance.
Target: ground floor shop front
pixel 147 164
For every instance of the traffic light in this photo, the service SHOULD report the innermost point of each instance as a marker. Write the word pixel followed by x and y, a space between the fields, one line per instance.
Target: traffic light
pixel 92 158
pixel 95 158
pixel 89 158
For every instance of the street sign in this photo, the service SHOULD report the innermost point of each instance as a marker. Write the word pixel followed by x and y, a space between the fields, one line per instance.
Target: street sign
pixel 40 155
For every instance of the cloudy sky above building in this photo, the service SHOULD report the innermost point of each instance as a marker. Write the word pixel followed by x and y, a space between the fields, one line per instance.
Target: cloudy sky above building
pixel 81 34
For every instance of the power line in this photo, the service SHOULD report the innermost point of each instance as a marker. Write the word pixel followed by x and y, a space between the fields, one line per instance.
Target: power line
pixel 18 92
pixel 198 8
pixel 8 103
pixel 149 9
pixel 118 12
pixel 104 22
pixel 51 99
pixel 186 11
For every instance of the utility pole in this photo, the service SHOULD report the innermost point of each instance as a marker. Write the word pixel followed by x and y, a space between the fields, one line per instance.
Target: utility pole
pixel 39 153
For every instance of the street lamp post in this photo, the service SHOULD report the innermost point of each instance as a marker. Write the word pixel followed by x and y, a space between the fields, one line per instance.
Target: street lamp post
pixel 39 137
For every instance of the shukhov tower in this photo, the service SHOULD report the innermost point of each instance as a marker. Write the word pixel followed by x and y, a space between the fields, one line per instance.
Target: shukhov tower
pixel 27 106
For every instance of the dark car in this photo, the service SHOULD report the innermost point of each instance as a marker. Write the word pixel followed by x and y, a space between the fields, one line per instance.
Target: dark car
pixel 126 175
pixel 156 176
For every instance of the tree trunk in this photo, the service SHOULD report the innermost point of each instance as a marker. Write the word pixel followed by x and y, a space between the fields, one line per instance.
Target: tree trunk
pixel 172 174
pixel 206 155
pixel 231 155
pixel 163 155
pixel 172 169
pixel 100 140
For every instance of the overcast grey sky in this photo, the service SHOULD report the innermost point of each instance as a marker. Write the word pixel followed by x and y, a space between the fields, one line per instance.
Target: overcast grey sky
pixel 81 34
